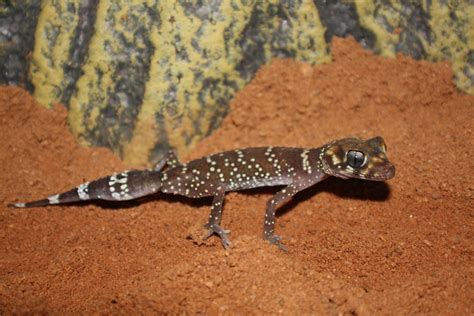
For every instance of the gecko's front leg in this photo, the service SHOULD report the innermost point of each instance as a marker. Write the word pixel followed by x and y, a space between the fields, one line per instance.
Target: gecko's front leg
pixel 282 197
pixel 278 199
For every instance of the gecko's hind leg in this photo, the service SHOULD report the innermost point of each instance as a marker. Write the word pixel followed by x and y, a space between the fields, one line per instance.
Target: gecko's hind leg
pixel 169 161
pixel 215 217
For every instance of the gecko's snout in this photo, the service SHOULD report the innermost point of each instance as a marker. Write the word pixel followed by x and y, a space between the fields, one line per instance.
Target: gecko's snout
pixel 379 170
pixel 388 172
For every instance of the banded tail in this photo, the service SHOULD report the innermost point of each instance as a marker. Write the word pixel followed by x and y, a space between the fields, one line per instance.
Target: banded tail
pixel 123 186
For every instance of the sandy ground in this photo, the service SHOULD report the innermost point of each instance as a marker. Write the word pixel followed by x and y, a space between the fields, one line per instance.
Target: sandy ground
pixel 355 247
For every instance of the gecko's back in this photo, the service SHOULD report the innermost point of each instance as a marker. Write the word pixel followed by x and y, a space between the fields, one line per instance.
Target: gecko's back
pixel 241 169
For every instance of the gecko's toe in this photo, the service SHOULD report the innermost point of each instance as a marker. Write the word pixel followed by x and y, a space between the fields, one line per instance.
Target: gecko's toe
pixel 276 240
pixel 226 242
pixel 222 233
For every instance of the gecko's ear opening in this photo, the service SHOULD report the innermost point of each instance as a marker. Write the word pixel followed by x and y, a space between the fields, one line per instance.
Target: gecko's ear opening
pixel 377 143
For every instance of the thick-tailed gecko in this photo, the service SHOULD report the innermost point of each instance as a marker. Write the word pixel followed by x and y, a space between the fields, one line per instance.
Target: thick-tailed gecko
pixel 294 168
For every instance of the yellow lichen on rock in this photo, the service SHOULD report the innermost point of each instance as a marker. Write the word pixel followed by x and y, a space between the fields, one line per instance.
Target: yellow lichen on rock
pixel 308 32
pixel 453 39
pixel 370 19
pixel 114 49
pixel 446 38
pixel 191 53
pixel 92 85
pixel 54 33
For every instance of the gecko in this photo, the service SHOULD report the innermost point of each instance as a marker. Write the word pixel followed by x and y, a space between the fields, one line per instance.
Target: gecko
pixel 295 169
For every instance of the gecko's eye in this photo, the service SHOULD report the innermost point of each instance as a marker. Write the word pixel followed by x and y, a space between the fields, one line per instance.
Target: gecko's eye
pixel 355 158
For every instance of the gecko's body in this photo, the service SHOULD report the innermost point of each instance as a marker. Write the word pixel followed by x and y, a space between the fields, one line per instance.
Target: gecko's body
pixel 294 168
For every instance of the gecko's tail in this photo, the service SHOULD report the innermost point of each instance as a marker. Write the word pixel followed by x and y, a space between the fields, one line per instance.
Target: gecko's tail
pixel 66 197
pixel 127 185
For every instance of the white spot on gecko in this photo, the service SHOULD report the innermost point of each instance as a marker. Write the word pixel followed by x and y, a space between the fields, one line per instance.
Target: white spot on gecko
pixel 82 191
pixel 54 199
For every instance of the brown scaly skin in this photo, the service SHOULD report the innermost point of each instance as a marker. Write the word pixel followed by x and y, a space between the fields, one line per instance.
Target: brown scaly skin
pixel 294 168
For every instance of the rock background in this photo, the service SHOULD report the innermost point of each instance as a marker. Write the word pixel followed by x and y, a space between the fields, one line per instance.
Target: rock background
pixel 143 78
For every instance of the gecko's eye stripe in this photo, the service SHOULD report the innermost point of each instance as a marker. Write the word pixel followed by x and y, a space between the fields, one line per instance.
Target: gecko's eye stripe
pixel 355 158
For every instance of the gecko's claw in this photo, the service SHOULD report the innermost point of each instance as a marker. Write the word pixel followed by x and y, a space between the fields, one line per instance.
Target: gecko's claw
pixel 222 233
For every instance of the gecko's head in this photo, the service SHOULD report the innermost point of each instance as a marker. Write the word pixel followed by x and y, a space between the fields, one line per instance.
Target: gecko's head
pixel 355 158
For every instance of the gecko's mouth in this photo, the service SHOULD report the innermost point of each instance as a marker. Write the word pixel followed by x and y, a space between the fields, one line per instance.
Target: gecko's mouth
pixel 385 173
pixel 380 174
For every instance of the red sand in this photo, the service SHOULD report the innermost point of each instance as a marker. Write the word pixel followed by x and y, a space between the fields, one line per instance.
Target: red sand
pixel 404 247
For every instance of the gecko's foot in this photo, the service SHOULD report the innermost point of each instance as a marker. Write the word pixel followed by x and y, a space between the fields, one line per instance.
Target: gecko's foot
pixel 222 233
pixel 276 240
